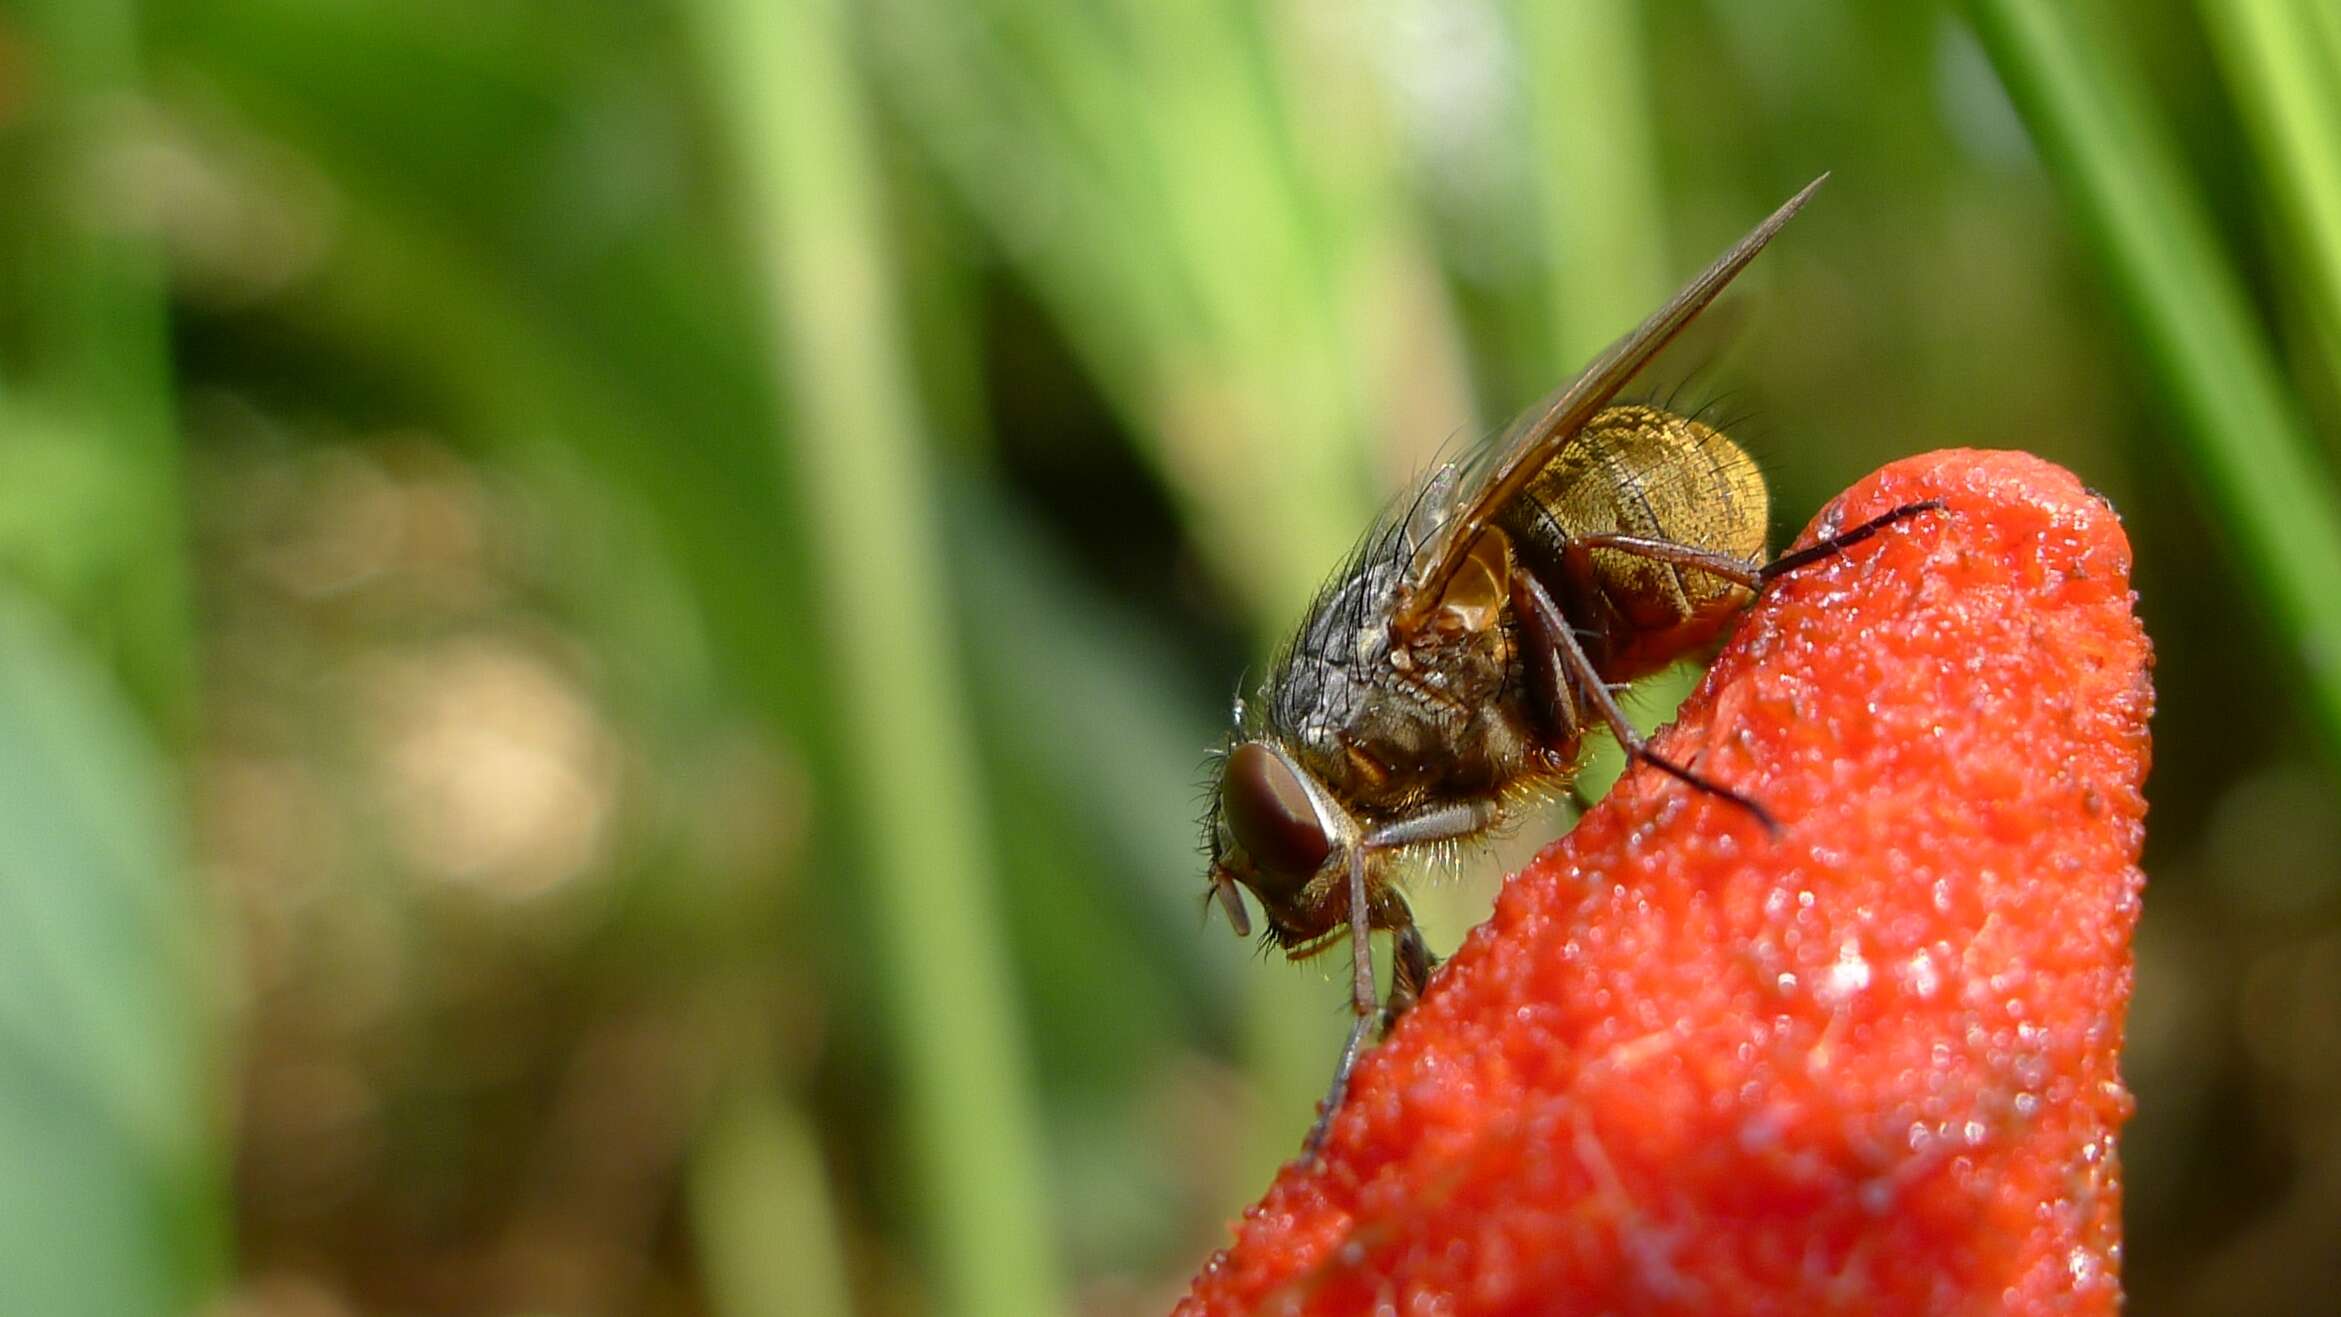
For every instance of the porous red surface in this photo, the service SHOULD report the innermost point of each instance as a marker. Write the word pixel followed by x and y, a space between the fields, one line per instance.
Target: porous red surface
pixel 1868 1066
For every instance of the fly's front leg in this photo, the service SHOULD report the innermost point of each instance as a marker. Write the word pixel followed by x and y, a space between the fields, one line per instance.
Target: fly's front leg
pixel 1410 970
pixel 1361 999
pixel 1414 961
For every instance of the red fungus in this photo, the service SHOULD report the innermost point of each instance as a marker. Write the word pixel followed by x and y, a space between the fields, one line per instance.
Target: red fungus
pixel 1869 1066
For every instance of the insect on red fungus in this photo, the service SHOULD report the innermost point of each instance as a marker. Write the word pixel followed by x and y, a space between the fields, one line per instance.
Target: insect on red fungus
pixel 1449 674
pixel 1870 1067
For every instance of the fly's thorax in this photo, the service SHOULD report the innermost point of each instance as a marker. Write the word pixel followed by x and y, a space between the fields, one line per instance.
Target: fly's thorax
pixel 1409 726
pixel 1335 661
pixel 1645 472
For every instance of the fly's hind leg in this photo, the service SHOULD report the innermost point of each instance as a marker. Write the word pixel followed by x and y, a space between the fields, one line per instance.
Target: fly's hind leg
pixel 1752 576
pixel 1843 540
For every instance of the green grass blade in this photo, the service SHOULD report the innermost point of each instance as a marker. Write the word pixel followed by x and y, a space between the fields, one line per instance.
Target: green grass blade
pixel 785 85
pixel 113 1204
pixel 1602 226
pixel 1595 160
pixel 2290 93
pixel 2240 433
pixel 2324 28
pixel 1240 222
pixel 760 1213
pixel 91 285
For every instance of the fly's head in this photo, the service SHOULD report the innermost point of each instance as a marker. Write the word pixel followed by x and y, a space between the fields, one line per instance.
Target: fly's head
pixel 1276 830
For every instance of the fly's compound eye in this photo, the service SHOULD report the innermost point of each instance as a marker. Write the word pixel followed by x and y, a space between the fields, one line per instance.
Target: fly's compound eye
pixel 1269 813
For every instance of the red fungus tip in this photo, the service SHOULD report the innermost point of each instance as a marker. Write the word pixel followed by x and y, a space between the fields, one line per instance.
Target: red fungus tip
pixel 1866 1066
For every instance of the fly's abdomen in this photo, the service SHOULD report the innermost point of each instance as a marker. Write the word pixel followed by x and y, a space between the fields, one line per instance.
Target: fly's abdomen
pixel 1649 473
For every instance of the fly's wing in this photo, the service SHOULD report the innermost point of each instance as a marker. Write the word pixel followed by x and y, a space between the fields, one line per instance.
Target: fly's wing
pixel 1507 465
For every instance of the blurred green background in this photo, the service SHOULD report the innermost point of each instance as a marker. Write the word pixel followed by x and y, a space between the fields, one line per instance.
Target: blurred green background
pixel 610 611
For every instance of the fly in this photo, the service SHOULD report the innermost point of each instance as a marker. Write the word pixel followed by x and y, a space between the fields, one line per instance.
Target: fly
pixel 1447 677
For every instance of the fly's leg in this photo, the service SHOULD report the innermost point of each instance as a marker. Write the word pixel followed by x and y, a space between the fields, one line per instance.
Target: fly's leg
pixel 1414 961
pixel 1541 626
pixel 1843 540
pixel 1548 678
pixel 1448 822
pixel 1738 571
pixel 1744 573
pixel 1557 663
pixel 1554 646
pixel 1361 999
pixel 1409 972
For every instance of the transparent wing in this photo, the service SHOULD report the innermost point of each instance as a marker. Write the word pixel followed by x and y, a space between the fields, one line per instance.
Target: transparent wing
pixel 1495 476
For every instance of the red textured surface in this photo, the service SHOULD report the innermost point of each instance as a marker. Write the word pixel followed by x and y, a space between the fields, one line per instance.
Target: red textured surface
pixel 1868 1067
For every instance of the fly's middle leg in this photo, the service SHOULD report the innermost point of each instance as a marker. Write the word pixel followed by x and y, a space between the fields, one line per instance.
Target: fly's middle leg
pixel 1553 646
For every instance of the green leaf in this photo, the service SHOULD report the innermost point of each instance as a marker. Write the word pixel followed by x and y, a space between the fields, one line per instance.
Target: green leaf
pixel 2239 429
pixel 800 143
pixel 111 1201
pixel 760 1212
